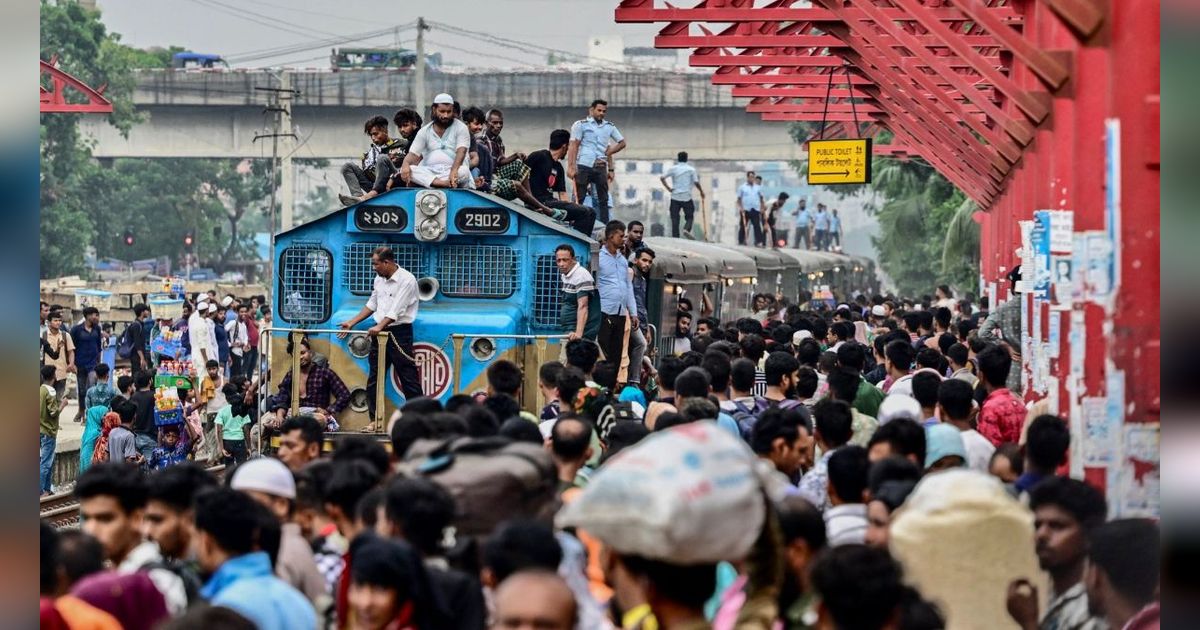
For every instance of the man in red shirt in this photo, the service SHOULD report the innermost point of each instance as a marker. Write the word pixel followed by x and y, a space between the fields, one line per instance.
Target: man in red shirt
pixel 1003 414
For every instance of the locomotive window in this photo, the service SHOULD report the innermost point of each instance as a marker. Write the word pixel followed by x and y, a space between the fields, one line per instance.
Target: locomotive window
pixel 547 292
pixel 357 274
pixel 305 284
pixel 478 271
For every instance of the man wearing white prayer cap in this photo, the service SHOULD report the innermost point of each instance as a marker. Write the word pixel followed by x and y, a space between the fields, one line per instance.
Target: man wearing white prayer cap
pixel 198 337
pixel 437 157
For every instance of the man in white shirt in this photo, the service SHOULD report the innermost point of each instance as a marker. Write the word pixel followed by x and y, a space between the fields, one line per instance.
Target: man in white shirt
pixel 439 150
pixel 957 406
pixel 683 177
pixel 393 306
pixel 201 347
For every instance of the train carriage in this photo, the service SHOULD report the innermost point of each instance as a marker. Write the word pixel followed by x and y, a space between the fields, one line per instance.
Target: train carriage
pixel 489 289
pixel 777 272
pixel 684 268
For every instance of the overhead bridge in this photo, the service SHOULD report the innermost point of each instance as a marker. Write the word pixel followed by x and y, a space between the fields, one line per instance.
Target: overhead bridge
pixel 216 114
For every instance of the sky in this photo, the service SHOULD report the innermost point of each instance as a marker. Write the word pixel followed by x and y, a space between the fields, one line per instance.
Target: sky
pixel 251 33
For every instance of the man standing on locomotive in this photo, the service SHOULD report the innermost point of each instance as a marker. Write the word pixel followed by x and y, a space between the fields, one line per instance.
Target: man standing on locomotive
pixel 618 309
pixel 393 305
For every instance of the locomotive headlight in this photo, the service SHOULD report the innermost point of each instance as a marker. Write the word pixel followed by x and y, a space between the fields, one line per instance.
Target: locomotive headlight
pixel 430 203
pixel 483 349
pixel 431 230
pixel 360 346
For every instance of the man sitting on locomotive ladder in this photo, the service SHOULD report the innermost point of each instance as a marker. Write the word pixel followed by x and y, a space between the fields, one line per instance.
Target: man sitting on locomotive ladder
pixel 387 167
pixel 437 157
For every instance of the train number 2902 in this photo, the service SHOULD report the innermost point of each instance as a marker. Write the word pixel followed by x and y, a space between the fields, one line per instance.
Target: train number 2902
pixel 482 221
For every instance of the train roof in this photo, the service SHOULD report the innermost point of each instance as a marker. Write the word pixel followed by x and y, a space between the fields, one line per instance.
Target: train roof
pixel 717 261
pixel 765 259
pixel 398 197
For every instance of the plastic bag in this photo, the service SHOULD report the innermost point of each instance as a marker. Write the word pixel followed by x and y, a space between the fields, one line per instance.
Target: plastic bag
pixel 689 495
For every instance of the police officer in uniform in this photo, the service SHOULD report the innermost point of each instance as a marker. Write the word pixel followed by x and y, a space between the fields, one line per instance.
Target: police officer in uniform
pixel 393 306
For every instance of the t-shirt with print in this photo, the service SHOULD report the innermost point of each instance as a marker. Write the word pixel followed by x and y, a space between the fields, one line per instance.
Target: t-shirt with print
pixel 231 425
pixel 545 176
pixel 576 283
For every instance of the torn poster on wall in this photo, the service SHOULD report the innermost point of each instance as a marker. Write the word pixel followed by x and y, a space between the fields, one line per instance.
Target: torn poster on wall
pixel 1138 480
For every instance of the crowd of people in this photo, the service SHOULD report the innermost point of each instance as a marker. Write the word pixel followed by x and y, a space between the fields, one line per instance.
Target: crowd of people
pixel 867 466
pixel 117 410
pixel 800 468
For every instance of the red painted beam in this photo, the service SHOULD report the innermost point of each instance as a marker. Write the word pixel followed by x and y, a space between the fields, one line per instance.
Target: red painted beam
pixel 1034 109
pixel 845 117
pixel 759 91
pixel 646 12
pixel 54 100
pixel 1018 129
pixel 767 40
pixel 1047 68
pixel 786 59
pixel 861 108
pixel 731 76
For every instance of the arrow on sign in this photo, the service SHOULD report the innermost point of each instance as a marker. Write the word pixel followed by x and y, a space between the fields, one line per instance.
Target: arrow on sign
pixel 842 173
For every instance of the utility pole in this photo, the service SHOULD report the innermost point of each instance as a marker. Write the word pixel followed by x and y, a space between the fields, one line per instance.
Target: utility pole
pixel 288 179
pixel 275 97
pixel 419 100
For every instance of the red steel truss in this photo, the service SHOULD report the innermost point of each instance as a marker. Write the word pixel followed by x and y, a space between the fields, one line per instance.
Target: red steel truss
pixel 54 98
pixel 1025 105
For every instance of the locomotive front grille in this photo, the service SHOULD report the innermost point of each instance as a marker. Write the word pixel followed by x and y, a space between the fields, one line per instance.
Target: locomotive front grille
pixel 547 292
pixel 477 271
pixel 357 273
pixel 306 278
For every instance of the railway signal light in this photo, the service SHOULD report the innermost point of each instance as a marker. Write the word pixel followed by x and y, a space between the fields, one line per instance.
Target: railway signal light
pixel 129 237
pixel 189 238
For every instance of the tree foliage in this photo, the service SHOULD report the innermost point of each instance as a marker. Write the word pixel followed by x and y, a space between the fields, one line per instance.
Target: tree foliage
pixel 86 204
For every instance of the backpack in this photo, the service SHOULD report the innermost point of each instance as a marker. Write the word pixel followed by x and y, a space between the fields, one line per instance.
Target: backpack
pixel 191 581
pixel 125 343
pixel 492 479
pixel 613 413
pixel 746 417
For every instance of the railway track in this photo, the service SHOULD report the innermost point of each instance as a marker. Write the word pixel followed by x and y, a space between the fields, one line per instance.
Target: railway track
pixel 62 510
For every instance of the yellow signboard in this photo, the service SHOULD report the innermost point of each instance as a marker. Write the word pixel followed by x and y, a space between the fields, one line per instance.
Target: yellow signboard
pixel 839 161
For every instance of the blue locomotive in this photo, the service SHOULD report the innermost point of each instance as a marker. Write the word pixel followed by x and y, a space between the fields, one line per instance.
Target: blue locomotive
pixel 489 289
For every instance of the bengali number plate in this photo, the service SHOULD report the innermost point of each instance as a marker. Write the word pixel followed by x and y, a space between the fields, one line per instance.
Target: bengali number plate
pixel 380 218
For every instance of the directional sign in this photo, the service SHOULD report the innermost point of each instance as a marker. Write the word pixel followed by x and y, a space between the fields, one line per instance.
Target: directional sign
pixel 839 161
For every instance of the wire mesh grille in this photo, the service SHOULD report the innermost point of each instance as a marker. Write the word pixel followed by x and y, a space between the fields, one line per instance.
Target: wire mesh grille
pixel 478 271
pixel 306 272
pixel 547 292
pixel 357 272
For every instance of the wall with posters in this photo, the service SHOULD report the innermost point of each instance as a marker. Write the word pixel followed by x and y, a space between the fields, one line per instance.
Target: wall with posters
pixel 1080 213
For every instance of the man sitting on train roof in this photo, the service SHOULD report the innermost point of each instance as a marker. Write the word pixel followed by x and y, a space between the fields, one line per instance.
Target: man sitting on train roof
pixel 387 165
pixel 437 157
pixel 319 384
